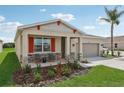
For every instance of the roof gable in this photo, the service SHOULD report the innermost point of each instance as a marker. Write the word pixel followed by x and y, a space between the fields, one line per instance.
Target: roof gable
pixel 57 21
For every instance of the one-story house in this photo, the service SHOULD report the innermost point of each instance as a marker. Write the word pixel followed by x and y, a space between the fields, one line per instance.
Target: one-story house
pixel 117 44
pixel 1 45
pixel 54 36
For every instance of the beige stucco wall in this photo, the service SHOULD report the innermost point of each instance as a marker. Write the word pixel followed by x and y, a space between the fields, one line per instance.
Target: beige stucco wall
pixel 74 45
pixel 45 30
pixel 18 47
pixel 1 46
pixel 52 29
pixel 92 40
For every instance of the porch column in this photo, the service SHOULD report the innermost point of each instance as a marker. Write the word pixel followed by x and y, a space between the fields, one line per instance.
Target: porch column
pixel 100 48
pixel 67 46
pixel 80 47
pixel 24 45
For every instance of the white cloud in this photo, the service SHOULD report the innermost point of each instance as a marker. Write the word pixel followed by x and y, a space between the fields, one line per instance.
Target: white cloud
pixel 9 27
pixel 101 22
pixel 66 17
pixel 89 27
pixel 43 10
pixel 8 30
pixel 2 18
pixel 6 39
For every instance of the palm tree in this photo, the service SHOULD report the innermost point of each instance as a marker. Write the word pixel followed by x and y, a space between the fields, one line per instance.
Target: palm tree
pixel 112 18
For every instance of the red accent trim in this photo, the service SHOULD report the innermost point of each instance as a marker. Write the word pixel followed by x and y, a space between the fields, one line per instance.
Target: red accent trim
pixel 31 44
pixel 74 30
pixel 53 44
pixel 38 27
pixel 58 23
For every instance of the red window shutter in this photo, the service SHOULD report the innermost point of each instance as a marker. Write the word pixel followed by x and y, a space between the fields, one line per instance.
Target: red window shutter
pixel 53 44
pixel 31 44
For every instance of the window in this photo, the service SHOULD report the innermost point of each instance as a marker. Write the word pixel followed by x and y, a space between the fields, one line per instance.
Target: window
pixel 42 44
pixel 46 44
pixel 38 44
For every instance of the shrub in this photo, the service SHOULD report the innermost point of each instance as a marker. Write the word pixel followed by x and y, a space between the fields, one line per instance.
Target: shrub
pixel 38 69
pixel 76 65
pixel 66 70
pixel 119 53
pixel 27 68
pixel 51 73
pixel 58 70
pixel 52 68
pixel 107 52
pixel 25 78
pixel 69 63
pixel 103 53
pixel 37 77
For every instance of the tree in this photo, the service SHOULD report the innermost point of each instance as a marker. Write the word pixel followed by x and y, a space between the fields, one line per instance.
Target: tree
pixel 8 45
pixel 113 16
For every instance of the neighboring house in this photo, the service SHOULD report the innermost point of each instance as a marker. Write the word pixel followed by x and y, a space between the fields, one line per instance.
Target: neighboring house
pixel 118 42
pixel 54 36
pixel 1 45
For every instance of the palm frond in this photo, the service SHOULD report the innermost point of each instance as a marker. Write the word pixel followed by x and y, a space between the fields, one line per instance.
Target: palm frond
pixel 117 22
pixel 115 10
pixel 105 19
pixel 120 14
pixel 107 11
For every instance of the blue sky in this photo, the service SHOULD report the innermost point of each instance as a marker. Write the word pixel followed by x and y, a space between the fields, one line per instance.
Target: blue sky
pixel 83 17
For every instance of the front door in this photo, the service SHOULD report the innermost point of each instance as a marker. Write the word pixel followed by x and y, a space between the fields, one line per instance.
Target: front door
pixel 63 47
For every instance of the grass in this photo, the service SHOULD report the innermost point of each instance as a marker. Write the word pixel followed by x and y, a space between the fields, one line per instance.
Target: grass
pixel 99 76
pixel 4 53
pixel 8 64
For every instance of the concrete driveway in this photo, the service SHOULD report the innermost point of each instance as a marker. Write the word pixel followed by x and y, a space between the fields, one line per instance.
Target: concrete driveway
pixel 114 62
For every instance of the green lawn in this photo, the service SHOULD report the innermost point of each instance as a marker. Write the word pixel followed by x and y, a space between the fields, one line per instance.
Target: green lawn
pixel 8 64
pixel 4 53
pixel 97 76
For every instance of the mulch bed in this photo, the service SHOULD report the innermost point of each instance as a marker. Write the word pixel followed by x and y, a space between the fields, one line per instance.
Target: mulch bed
pixel 27 79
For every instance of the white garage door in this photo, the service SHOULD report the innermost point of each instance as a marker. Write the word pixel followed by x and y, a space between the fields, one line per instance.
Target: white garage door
pixel 90 49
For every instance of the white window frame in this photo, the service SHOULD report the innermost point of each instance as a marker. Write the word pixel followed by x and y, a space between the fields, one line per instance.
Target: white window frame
pixel 42 38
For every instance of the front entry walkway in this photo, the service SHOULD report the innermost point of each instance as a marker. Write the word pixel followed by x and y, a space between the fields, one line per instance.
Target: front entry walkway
pixel 117 63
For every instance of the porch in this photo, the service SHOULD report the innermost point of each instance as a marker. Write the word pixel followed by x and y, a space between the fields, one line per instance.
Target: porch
pixel 46 50
pixel 47 59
